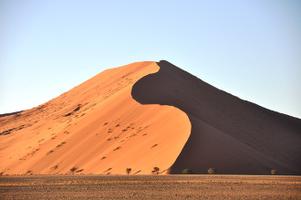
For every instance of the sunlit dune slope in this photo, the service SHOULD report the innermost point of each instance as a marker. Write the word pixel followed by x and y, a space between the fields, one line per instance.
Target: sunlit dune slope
pixel 228 134
pixel 97 127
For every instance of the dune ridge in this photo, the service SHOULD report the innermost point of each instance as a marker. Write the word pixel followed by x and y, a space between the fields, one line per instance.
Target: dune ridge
pixel 228 135
pixel 145 115
pixel 95 128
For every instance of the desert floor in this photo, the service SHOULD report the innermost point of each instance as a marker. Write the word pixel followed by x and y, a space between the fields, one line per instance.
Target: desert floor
pixel 151 187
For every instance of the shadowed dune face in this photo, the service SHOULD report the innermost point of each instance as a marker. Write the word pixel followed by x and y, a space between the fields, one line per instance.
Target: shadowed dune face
pixel 95 128
pixel 228 134
pixel 100 127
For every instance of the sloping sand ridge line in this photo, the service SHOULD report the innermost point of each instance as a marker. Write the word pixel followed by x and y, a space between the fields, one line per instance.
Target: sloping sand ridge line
pixel 95 128
pixel 228 135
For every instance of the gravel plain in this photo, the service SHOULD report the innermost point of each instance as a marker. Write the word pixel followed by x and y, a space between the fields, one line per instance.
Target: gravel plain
pixel 222 187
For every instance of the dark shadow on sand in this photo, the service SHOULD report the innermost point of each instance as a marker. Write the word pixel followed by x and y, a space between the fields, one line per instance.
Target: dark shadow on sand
pixel 228 134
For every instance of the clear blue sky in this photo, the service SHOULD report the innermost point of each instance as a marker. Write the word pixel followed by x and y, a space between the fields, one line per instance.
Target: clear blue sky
pixel 251 49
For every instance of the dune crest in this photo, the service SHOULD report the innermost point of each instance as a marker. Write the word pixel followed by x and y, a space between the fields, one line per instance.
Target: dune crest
pixel 145 118
pixel 228 135
pixel 95 128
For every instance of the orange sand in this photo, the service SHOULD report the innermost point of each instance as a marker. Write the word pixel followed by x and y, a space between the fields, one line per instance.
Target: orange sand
pixel 95 128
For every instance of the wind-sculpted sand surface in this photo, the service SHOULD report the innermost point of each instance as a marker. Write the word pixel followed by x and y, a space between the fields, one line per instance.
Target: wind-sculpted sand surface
pixel 149 117
pixel 95 128
pixel 151 187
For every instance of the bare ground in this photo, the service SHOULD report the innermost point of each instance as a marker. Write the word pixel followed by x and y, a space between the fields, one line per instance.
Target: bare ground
pixel 151 187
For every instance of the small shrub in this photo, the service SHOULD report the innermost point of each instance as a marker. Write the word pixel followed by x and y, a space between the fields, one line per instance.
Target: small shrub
pixel 128 171
pixel 186 171
pixel 55 167
pixel 273 171
pixel 108 169
pixel 73 169
pixel 49 152
pixel 29 172
pixel 156 170
pixel 117 148
pixel 211 171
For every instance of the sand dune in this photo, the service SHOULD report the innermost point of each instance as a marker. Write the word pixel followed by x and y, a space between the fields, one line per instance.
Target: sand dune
pixel 228 134
pixel 145 115
pixel 95 128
